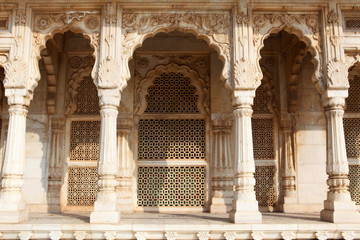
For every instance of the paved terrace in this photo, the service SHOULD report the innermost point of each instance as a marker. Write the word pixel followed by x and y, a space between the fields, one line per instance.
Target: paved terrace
pixel 173 226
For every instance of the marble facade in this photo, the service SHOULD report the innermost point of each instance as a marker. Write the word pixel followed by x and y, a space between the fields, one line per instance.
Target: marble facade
pixel 265 88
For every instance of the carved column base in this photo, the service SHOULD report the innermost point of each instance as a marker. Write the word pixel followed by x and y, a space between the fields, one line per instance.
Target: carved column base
pixel 246 215
pixel 289 204
pixel 221 202
pixel 340 213
pixel 12 208
pixel 124 194
pixel 14 216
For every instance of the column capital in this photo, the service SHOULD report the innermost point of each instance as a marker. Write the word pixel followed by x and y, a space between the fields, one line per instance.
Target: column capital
pixel 109 97
pixel 243 98
pixel 334 99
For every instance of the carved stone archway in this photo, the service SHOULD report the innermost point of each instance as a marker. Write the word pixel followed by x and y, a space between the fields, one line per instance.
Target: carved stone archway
pixel 215 29
pixel 305 27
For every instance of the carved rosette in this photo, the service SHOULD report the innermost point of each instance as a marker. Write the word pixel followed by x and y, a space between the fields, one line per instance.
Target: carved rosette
pixel 215 28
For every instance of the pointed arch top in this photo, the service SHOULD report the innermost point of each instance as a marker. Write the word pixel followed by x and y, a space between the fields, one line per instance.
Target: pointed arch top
pixel 214 28
pixel 305 27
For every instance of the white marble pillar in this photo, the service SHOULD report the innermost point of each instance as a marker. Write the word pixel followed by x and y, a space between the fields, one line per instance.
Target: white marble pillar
pixel 221 168
pixel 338 207
pixel 288 167
pixel 124 176
pixel 56 164
pixel 12 204
pixel 105 206
pixel 245 207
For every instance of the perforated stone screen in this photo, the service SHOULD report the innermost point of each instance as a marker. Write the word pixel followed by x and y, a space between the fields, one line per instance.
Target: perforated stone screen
pixel 261 100
pixel 87 98
pixel 82 186
pixel 171 93
pixel 352 137
pixel 352 102
pixel 171 186
pixel 163 139
pixel 263 138
pixel 84 140
pixel 354 176
pixel 265 185
pixel 3 23
pixel 352 24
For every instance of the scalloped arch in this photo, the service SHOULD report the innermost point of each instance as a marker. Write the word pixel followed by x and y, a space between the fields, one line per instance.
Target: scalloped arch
pixel 201 89
pixel 317 78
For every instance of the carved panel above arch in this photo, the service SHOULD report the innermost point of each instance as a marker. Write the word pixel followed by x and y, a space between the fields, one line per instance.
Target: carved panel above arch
pixel 215 29
pixel 182 73
pixel 304 26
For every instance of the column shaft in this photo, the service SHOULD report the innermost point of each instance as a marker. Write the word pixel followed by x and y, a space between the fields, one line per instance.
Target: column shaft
pixel 105 206
pixel 245 208
pixel 12 205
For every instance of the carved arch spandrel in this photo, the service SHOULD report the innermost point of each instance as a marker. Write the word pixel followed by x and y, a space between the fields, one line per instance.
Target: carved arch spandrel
pixel 269 83
pixel 215 29
pixel 200 85
pixel 45 26
pixel 74 84
pixel 305 27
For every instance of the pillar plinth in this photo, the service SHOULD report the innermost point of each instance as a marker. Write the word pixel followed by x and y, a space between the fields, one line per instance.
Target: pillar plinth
pixel 12 204
pixel 338 207
pixel 105 206
pixel 245 208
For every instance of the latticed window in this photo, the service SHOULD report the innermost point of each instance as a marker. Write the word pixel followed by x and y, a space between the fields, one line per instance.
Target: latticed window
pixel 83 144
pixel 352 133
pixel 171 144
pixel 264 148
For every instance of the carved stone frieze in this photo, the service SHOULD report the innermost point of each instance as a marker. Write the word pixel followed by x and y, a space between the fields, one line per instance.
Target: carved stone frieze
pixel 20 18
pixel 215 27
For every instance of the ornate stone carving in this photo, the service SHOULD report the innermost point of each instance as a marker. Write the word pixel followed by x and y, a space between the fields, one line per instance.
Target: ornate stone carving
pixel 171 235
pixel 321 235
pixel 332 17
pixel 242 18
pixel 216 28
pixel 43 22
pixel 20 18
pixel 80 235
pixel 312 22
pixel 108 75
pixel 3 58
pixel 337 72
pixel 75 62
pixel 348 235
pixel 68 16
pixel 203 235
pixel 55 235
pixel 230 235
pixel 15 73
pixel 288 235
pixel 246 75
pixel 25 235
pixel 257 235
pixel 92 22
pixel 141 235
pixel 196 81
pixel 110 235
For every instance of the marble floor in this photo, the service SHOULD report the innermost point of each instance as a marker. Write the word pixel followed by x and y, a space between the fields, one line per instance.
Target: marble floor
pixel 173 226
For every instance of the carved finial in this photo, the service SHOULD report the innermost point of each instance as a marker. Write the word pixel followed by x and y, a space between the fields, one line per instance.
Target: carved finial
pixel 80 235
pixel 171 235
pixel 231 235
pixel 26 235
pixel 203 235
pixel 55 235
pixel 141 235
pixel 288 235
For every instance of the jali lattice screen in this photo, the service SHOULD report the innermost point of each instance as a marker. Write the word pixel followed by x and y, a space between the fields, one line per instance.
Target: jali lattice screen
pixel 84 140
pixel 82 186
pixel 87 100
pixel 171 93
pixel 178 139
pixel 354 176
pixel 263 138
pixel 261 100
pixel 171 186
pixel 352 102
pixel 265 185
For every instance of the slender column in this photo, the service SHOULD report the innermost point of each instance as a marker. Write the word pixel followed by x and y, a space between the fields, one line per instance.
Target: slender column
pixel 124 176
pixel 288 166
pixel 12 205
pixel 56 164
pixel 105 206
pixel 338 207
pixel 245 208
pixel 222 168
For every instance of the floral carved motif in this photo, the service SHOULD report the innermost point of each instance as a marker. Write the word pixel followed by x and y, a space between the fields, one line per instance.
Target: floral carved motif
pixel 43 22
pixel 332 17
pixel 337 72
pixel 25 235
pixel 20 18
pixel 141 235
pixel 288 235
pixel 15 73
pixel 108 75
pixel 203 235
pixel 92 22
pixel 68 17
pixel 246 75
pixel 171 235
pixel 80 235
pixel 110 235
pixel 230 235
